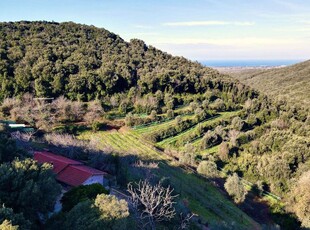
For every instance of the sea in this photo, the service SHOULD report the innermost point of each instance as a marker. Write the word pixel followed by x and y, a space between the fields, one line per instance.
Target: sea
pixel 248 63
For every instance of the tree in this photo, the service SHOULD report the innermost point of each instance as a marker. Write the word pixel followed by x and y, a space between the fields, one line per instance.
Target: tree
pixel 218 105
pixel 123 107
pixel 209 139
pixel 7 105
pixel 237 123
pixel 193 106
pixel 129 119
pixel 15 219
pixel 42 117
pixel 188 155
pixel 8 149
pixel 105 212
pixel 62 109
pixel 233 136
pixel 153 203
pixel 94 112
pixel 207 168
pixel 82 216
pixel 7 225
pixel 235 188
pixel 299 199
pixel 223 151
pixel 81 193
pixel 112 211
pixel 29 110
pixel 27 187
pixel 153 115
pixel 170 113
pixel 76 111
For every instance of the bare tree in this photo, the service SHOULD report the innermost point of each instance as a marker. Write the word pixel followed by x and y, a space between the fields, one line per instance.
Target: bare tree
pixel 94 112
pixel 41 114
pixel 23 136
pixel 77 110
pixel 62 109
pixel 185 220
pixel 153 203
pixel 7 105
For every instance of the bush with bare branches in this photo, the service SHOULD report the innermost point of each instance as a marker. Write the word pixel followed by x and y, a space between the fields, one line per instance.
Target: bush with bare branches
pixel 152 203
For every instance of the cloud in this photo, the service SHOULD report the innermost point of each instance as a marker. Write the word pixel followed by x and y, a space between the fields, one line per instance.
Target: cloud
pixel 145 34
pixel 209 23
pixel 294 29
pixel 307 22
pixel 245 42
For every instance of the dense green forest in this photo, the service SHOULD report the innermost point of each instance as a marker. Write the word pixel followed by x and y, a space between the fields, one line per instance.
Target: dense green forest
pixel 190 115
pixel 84 62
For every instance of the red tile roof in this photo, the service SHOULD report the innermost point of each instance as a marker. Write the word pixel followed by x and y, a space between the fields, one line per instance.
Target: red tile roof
pixel 75 175
pixel 68 171
pixel 58 162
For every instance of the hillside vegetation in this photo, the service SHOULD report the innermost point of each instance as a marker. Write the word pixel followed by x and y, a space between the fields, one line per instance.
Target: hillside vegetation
pixel 150 115
pixel 290 83
pixel 84 62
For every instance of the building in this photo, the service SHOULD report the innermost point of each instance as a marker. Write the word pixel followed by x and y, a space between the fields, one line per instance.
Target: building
pixel 71 172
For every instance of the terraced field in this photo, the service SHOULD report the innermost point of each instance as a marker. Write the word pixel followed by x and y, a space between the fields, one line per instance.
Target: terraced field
pixel 125 142
pixel 169 142
pixel 158 126
pixel 201 197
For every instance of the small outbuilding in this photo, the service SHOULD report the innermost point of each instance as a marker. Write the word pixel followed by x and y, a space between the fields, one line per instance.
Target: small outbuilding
pixel 71 172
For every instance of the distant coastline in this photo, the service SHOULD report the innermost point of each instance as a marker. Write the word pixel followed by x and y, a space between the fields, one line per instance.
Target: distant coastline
pixel 248 63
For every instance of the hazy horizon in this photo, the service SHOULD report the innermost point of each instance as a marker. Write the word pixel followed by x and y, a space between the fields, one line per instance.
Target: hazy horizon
pixel 200 30
pixel 248 63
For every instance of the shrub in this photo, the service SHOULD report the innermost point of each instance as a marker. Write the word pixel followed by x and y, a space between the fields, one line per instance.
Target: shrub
pixel 81 193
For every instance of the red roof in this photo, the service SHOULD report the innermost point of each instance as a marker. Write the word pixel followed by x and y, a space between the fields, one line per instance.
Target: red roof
pixel 75 175
pixel 58 162
pixel 68 171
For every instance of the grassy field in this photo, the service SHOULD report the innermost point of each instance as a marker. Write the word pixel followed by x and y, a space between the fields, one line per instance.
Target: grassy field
pixel 202 198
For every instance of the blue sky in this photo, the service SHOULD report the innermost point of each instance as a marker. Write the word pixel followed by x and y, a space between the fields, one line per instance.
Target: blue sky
pixel 196 29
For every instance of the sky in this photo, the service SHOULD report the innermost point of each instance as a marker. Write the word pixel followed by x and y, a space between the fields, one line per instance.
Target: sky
pixel 196 29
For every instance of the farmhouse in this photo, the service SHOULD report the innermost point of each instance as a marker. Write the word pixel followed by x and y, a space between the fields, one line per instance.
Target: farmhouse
pixel 71 172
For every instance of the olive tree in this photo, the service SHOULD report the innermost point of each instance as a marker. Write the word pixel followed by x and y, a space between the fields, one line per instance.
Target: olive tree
pixel 235 188
pixel 207 168
pixel 299 201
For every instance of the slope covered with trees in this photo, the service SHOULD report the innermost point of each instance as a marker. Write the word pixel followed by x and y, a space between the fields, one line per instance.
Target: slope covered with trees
pixel 84 62
pixel 170 109
pixel 290 83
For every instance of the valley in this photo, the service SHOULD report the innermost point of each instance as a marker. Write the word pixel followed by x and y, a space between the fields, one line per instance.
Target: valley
pixel 226 155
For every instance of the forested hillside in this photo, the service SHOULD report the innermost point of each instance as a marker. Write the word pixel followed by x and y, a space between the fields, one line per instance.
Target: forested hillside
pixel 290 83
pixel 159 117
pixel 84 62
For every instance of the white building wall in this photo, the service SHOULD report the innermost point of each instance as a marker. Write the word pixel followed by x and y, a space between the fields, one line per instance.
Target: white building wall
pixel 94 179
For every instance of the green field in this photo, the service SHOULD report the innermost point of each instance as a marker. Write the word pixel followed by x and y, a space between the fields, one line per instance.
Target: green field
pixel 202 198
pixel 158 126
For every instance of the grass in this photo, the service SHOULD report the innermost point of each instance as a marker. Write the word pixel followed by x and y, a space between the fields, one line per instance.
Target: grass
pixel 158 126
pixel 208 151
pixel 203 199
